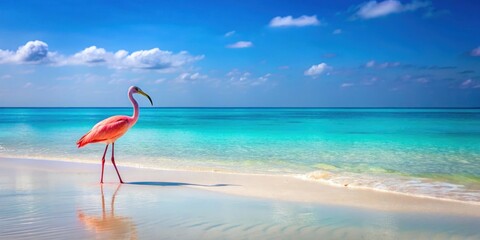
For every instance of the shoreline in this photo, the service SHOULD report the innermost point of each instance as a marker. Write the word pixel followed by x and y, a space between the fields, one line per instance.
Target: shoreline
pixel 305 177
pixel 274 187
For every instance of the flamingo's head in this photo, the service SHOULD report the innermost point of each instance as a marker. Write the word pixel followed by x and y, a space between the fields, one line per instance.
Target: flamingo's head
pixel 135 89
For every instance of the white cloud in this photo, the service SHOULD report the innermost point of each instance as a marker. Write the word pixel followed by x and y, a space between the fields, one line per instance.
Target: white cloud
pixel 337 31
pixel 316 69
pixel 36 52
pixel 261 80
pixel 475 52
pixel 374 9
pixel 90 55
pixel 244 79
pixel 5 56
pixel 156 59
pixel 240 44
pixel 187 77
pixel 228 34
pixel 33 52
pixel 121 54
pixel 289 21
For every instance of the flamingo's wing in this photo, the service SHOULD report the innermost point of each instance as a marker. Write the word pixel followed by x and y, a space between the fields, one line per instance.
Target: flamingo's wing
pixel 108 129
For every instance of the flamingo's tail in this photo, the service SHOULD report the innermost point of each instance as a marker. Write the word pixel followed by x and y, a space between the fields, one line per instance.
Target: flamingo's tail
pixel 82 141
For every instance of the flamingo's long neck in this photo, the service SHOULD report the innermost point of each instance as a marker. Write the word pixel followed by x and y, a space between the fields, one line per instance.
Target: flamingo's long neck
pixel 135 106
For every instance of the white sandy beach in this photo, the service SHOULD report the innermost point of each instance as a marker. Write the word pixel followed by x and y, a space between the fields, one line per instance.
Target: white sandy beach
pixel 46 199
pixel 276 187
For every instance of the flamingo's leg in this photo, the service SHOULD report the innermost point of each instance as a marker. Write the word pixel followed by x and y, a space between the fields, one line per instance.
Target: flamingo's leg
pixel 103 162
pixel 113 161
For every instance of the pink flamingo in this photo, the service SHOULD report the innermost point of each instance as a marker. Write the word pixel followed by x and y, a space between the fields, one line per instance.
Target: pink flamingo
pixel 112 128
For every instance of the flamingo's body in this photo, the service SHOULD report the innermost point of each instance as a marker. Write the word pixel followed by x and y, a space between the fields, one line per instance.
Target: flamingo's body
pixel 109 130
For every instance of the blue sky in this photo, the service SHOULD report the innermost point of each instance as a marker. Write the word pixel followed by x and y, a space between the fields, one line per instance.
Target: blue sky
pixel 388 53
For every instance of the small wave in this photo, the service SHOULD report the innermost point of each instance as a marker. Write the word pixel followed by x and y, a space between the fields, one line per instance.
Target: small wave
pixel 418 187
pixel 163 164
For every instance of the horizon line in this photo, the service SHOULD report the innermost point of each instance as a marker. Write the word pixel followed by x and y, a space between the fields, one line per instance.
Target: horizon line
pixel 280 107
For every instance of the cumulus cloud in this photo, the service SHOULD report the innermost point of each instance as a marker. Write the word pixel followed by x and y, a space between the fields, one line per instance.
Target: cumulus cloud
pixel 316 70
pixel 337 31
pixel 374 9
pixel 156 59
pixel 33 52
pixel 289 21
pixel 240 44
pixel 475 52
pixel 90 55
pixel 37 52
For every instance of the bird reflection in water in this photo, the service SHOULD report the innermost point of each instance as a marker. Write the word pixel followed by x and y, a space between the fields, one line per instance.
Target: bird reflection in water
pixel 109 226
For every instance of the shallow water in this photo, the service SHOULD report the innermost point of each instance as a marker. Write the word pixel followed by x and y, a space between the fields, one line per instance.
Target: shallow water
pixel 39 203
pixel 428 152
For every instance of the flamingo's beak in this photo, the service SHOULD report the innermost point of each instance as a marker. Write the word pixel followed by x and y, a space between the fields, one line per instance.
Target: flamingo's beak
pixel 146 95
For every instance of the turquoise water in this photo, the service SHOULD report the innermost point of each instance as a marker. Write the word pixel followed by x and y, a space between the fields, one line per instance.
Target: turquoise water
pixel 427 152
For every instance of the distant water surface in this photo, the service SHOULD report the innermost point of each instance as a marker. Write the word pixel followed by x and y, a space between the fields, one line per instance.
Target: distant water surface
pixel 428 152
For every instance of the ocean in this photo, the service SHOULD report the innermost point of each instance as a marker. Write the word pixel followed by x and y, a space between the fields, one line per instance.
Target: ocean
pixel 424 152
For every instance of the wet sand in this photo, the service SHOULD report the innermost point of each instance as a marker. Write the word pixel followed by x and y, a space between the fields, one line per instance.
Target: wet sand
pixel 51 199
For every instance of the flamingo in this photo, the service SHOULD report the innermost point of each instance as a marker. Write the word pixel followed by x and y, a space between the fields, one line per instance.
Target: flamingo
pixel 109 130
